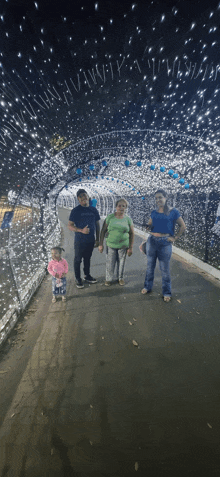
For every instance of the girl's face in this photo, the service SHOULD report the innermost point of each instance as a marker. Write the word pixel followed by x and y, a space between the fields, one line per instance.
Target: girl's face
pixel 160 200
pixel 55 254
pixel 121 207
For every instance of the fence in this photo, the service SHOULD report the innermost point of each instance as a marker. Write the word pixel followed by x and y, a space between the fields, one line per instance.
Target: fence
pixel 29 230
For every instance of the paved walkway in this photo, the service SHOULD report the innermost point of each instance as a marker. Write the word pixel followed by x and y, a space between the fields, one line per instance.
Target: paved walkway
pixel 113 383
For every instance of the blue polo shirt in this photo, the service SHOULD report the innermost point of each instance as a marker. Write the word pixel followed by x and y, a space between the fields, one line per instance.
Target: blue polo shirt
pixel 83 216
pixel 164 224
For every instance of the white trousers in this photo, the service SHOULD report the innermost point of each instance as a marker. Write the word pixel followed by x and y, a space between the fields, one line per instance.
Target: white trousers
pixel 115 256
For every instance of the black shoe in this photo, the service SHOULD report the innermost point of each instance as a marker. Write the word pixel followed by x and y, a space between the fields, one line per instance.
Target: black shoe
pixel 79 283
pixel 90 279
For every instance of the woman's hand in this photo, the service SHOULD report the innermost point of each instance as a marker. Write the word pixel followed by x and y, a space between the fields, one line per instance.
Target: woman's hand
pixel 96 244
pixel 129 252
pixel 170 239
pixel 57 275
pixel 63 275
pixel 100 248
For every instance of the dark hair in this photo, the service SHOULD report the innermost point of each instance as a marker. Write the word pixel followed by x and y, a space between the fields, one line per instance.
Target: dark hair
pixel 80 191
pixel 59 249
pixel 166 207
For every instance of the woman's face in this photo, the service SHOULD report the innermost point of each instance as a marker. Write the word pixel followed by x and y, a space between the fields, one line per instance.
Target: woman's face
pixel 121 207
pixel 160 200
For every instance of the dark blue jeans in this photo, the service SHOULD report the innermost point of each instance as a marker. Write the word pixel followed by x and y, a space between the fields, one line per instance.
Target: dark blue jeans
pixel 82 251
pixel 158 247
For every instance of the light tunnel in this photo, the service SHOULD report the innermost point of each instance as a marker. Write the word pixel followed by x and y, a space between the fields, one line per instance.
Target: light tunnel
pixel 119 116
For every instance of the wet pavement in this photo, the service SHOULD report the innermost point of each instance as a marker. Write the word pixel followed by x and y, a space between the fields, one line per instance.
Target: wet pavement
pixel 114 383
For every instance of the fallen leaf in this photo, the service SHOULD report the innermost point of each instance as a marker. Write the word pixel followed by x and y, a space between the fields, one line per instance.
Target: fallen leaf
pixel 3 372
pixel 103 337
pixel 197 313
pixel 91 406
pixel 136 466
pixel 135 343
pixel 51 452
pixel 90 344
pixel 13 415
pixel 209 425
pixel 91 443
pixel 130 323
pixel 134 319
pixel 179 301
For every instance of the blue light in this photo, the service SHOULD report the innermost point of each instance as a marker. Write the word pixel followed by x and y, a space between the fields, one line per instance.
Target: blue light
pixel 181 181
pixel 127 163
pixel 139 163
pixel 79 171
pixel 175 176
pixel 187 186
pixel 91 167
pixel 152 168
pixel 162 169
pixel 170 172
pixel 104 163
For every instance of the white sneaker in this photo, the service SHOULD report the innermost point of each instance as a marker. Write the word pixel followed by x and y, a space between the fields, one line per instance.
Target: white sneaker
pixel 54 299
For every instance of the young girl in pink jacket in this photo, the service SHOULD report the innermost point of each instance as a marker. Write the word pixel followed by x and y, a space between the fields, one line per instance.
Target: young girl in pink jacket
pixel 58 268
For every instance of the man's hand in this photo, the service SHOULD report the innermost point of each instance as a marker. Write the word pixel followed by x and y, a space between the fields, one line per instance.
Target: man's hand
pixel 100 248
pixel 63 275
pixel 129 252
pixel 86 230
pixel 57 275
pixel 96 244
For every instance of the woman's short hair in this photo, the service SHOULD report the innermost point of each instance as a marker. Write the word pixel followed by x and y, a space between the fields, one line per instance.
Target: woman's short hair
pixel 121 200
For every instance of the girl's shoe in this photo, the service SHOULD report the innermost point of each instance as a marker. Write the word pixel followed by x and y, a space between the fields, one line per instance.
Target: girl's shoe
pixel 121 282
pixel 107 284
pixel 54 299
pixel 63 298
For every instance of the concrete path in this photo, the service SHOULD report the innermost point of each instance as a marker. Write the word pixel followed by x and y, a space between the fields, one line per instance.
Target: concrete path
pixel 113 383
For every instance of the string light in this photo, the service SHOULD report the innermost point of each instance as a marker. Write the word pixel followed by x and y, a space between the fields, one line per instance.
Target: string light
pixel 82 110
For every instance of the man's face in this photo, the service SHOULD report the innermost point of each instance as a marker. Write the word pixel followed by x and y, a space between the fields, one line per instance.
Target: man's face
pixel 83 199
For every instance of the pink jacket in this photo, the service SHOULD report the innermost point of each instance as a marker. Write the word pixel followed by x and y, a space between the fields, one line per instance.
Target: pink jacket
pixel 55 266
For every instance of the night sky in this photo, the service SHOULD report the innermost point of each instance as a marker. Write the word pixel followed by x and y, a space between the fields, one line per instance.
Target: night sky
pixel 78 69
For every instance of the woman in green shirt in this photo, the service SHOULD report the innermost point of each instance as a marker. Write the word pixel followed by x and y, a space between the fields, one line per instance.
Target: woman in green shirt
pixel 119 241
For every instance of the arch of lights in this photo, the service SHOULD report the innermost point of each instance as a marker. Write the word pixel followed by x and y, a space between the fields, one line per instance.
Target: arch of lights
pixel 126 116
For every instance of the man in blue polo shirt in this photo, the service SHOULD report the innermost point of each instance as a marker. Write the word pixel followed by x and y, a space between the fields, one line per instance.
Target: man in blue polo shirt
pixel 84 221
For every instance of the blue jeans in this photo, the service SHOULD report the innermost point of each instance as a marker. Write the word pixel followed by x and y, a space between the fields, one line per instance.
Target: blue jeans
pixel 158 247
